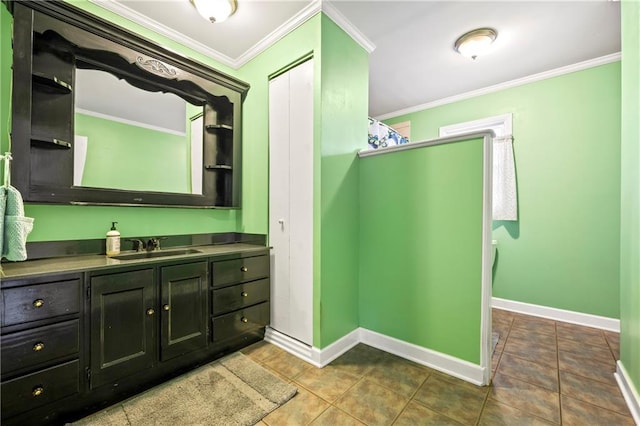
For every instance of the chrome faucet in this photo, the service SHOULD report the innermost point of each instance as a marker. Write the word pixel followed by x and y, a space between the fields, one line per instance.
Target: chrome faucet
pixel 154 243
pixel 138 245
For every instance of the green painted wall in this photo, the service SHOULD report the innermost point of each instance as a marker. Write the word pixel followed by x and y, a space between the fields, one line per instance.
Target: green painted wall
pixel 255 132
pixel 340 110
pixel 421 246
pixel 564 250
pixel 344 96
pixel 112 161
pixel 56 222
pixel 630 218
pixel 6 53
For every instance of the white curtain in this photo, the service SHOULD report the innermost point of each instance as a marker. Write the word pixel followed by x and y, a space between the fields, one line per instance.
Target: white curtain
pixel 505 196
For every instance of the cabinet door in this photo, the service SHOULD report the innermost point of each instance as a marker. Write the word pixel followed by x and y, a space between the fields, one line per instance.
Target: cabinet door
pixel 184 309
pixel 123 322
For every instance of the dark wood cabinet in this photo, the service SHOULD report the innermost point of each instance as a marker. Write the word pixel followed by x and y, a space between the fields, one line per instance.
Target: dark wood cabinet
pixel 40 388
pixel 183 293
pixel 74 343
pixel 42 301
pixel 40 345
pixel 240 289
pixel 123 325
pixel 234 271
pixel 240 296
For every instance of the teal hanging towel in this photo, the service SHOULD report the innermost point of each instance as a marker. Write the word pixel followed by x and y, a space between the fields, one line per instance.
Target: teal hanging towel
pixel 14 225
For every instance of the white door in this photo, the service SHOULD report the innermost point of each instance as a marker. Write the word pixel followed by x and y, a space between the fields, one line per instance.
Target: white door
pixel 291 201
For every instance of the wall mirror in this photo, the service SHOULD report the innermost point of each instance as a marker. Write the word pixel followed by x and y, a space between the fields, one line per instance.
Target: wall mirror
pixel 102 116
pixel 117 126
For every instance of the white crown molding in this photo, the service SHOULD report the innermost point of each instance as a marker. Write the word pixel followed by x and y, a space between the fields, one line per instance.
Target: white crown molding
pixel 629 392
pixel 120 9
pixel 309 11
pixel 298 19
pixel 587 320
pixel 347 26
pixel 602 60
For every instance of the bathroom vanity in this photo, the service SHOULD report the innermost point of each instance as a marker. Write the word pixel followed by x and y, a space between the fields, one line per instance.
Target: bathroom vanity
pixel 79 333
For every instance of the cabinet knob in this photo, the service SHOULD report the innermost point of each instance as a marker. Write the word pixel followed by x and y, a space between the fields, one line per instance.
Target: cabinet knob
pixel 244 269
pixel 166 307
pixel 37 391
pixel 244 294
pixel 243 319
pixel 150 311
pixel 38 303
pixel 38 347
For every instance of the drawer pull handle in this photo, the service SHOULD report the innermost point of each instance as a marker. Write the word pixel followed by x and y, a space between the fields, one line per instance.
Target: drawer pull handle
pixel 38 303
pixel 244 294
pixel 166 307
pixel 244 269
pixel 38 347
pixel 150 311
pixel 37 391
pixel 243 319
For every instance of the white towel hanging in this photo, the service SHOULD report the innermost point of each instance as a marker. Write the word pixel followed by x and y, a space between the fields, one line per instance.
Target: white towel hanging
pixel 505 196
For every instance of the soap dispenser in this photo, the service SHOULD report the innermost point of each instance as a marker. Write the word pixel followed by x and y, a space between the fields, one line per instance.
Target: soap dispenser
pixel 113 240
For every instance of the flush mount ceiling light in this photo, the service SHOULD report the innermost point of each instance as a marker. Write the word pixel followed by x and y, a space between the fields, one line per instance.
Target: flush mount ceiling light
pixel 475 42
pixel 215 10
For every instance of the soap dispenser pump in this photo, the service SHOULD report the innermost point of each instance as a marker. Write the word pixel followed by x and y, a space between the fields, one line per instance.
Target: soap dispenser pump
pixel 113 240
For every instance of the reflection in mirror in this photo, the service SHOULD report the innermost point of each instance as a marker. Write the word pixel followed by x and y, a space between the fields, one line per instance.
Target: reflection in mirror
pixel 119 128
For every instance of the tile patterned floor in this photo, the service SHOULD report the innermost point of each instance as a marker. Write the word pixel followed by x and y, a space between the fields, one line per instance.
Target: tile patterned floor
pixel 544 372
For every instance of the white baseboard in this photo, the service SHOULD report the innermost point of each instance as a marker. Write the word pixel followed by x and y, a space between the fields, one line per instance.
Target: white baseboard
pixel 320 357
pixel 337 348
pixel 629 392
pixel 311 354
pixel 588 320
pixel 447 364
pixel 289 344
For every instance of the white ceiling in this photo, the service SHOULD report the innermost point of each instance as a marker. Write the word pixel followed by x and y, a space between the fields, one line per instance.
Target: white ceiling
pixel 413 61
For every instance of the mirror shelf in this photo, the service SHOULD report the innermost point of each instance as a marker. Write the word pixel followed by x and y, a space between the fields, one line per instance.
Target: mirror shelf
pixel 199 155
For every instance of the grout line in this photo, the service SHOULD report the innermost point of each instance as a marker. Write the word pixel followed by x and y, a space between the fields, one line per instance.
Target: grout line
pixel 411 398
pixel 484 404
pixel 555 326
pixel 341 410
pixel 321 413
pixel 343 395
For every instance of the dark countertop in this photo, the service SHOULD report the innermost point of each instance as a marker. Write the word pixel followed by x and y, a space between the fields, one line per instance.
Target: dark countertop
pixel 31 268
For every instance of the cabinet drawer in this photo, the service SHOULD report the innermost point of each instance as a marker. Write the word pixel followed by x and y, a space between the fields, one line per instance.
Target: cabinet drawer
pixel 39 345
pixel 238 270
pixel 41 301
pixel 37 389
pixel 234 324
pixel 238 296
